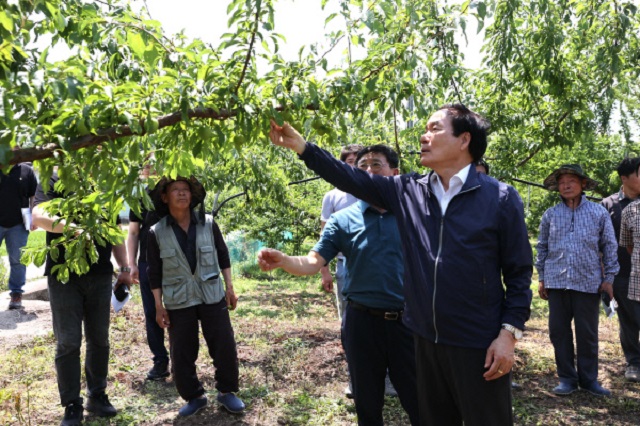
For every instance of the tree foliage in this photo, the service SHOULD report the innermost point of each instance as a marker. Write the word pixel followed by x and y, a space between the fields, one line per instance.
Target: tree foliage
pixel 558 77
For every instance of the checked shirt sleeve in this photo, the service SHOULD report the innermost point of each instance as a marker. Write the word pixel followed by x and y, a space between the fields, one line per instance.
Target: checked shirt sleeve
pixel 609 248
pixel 543 245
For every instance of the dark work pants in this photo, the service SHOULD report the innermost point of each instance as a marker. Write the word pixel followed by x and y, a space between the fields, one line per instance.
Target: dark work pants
pixel 155 334
pixel 629 317
pixel 583 309
pixel 185 344
pixel 83 299
pixel 373 345
pixel 451 389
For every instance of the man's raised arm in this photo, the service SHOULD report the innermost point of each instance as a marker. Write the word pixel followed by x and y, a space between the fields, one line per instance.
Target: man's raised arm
pixel 376 190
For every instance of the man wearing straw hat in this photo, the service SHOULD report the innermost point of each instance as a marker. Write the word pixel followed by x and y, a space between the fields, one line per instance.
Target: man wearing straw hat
pixel 573 235
pixel 186 254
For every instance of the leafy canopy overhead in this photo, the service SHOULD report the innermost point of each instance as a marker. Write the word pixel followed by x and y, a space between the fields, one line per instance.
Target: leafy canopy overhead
pixel 553 74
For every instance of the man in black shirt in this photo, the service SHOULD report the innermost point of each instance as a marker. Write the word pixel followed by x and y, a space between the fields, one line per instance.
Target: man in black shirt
pixel 83 299
pixel 17 189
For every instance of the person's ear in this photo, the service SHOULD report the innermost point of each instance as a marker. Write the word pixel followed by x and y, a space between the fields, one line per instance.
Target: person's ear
pixel 466 140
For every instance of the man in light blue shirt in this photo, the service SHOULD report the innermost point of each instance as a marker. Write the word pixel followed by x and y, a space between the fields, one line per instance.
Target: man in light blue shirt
pixel 573 235
pixel 373 334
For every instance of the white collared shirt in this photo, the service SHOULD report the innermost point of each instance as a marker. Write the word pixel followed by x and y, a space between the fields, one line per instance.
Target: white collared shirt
pixel 455 185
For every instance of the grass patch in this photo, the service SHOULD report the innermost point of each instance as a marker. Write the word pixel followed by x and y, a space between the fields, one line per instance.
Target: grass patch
pixel 292 369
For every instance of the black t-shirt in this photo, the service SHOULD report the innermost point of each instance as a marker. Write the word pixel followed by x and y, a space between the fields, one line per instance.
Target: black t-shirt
pixel 101 267
pixel 149 218
pixel 15 190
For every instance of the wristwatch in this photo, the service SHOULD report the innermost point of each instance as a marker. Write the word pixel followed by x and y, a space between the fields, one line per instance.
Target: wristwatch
pixel 125 269
pixel 517 333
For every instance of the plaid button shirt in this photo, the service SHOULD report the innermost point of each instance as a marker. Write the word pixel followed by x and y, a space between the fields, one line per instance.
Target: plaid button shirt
pixel 630 236
pixel 569 247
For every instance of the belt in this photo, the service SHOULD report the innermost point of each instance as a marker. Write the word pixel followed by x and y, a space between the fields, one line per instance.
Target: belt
pixel 388 315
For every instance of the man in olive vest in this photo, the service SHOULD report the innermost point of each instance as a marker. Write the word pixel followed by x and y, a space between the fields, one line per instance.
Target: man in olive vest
pixel 186 254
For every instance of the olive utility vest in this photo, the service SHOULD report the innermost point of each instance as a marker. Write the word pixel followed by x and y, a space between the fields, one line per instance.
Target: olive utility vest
pixel 181 288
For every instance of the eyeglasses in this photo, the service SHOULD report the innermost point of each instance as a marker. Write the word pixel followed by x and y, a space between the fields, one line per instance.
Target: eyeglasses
pixel 374 165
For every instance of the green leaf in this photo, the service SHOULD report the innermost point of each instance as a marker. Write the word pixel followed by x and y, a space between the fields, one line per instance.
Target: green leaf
pixel 6 20
pixel 136 43
pixel 482 9
pixel 151 56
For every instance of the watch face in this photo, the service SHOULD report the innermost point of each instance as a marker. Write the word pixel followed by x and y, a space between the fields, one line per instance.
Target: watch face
pixel 518 334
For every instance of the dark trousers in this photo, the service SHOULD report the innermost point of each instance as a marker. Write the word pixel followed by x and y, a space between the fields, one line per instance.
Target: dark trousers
pixel 155 334
pixel 451 389
pixel 583 309
pixel 373 345
pixel 184 345
pixel 83 299
pixel 629 317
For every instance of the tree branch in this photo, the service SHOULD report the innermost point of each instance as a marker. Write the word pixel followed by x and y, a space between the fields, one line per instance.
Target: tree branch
pixel 539 147
pixel 248 57
pixel 335 43
pixel 112 133
pixel 395 131
pixel 531 155
pixel 116 132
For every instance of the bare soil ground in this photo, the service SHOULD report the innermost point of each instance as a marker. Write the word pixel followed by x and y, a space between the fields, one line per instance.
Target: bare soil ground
pixel 292 370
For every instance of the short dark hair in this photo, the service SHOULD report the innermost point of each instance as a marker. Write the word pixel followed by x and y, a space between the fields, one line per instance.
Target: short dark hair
pixel 482 163
pixel 465 120
pixel 389 154
pixel 348 150
pixel 628 166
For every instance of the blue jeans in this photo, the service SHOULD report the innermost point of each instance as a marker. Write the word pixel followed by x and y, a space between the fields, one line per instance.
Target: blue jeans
pixel 155 334
pixel 84 299
pixel 16 238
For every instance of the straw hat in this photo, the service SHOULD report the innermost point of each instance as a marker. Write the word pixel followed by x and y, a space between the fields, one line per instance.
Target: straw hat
pixel 198 193
pixel 551 182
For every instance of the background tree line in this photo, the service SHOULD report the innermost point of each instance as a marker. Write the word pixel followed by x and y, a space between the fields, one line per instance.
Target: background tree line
pixel 559 82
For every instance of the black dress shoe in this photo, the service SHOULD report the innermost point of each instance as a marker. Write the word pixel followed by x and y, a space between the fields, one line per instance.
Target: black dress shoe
pixel 160 371
pixel 72 415
pixel 100 406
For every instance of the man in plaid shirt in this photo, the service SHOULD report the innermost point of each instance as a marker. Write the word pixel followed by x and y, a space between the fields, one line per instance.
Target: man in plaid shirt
pixel 572 236
pixel 630 238
pixel 628 309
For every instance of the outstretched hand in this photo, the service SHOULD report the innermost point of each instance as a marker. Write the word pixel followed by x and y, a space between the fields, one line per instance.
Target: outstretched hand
pixel 269 259
pixel 287 137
